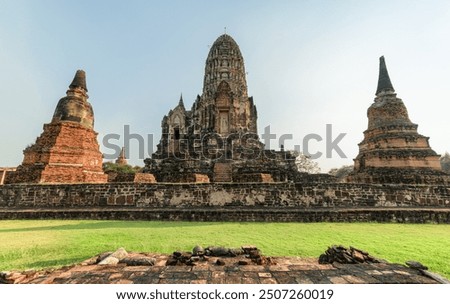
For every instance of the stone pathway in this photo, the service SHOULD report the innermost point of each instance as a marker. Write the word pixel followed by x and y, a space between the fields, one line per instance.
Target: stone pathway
pixel 287 270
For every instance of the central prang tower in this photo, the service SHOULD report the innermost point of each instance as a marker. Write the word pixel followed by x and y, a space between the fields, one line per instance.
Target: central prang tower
pixel 217 139
pixel 225 106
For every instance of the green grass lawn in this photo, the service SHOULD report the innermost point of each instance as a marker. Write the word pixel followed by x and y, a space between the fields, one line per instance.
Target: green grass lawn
pixel 40 244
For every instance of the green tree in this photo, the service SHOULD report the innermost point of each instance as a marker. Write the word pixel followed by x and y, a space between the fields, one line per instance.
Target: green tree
pixel 113 167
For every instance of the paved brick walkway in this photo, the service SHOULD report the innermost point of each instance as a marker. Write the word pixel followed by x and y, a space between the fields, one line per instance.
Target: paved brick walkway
pixel 288 270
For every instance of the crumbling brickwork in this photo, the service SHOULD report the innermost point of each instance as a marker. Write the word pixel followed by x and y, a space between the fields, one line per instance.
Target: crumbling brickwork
pixel 392 150
pixel 114 177
pixel 277 202
pixel 315 195
pixel 217 137
pixel 67 151
pixel 5 171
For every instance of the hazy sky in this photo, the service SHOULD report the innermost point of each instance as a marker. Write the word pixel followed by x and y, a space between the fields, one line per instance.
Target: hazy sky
pixel 309 63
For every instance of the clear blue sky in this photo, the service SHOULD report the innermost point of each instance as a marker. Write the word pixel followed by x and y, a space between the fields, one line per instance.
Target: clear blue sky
pixel 309 63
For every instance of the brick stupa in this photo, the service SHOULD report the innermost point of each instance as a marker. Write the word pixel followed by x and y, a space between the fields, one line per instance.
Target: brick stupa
pixel 392 150
pixel 122 160
pixel 67 151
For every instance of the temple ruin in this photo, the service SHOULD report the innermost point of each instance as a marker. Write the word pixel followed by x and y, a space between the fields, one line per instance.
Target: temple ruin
pixel 211 166
pixel 217 140
pixel 67 151
pixel 392 150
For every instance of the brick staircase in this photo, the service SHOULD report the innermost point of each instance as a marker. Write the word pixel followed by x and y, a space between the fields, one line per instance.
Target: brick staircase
pixel 222 173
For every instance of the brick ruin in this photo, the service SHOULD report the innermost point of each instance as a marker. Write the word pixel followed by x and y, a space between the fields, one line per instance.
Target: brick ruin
pixel 67 151
pixel 211 166
pixel 122 160
pixel 216 140
pixel 5 171
pixel 392 150
pixel 263 202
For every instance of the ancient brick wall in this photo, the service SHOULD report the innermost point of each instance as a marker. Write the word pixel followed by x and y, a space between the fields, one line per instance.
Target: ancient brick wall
pixel 4 171
pixel 395 215
pixel 229 196
pixel 254 178
pixel 114 177
pixel 65 152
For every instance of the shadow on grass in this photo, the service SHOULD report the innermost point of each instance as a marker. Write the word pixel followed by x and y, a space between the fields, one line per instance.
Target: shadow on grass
pixel 112 224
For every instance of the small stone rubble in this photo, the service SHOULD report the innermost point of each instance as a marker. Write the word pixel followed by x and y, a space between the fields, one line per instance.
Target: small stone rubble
pixel 247 254
pixel 416 265
pixel 121 256
pixel 340 254
pixel 114 258
pixel 220 265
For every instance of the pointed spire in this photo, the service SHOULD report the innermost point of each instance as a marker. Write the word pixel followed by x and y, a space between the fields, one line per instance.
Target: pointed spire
pixel 181 103
pixel 122 153
pixel 122 160
pixel 79 81
pixel 384 82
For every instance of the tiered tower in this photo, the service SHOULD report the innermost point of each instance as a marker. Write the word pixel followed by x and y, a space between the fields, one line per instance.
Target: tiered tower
pixel 217 138
pixel 67 151
pixel 225 106
pixel 392 150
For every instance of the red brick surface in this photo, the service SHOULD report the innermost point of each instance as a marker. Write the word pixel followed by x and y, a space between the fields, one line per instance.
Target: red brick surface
pixel 66 152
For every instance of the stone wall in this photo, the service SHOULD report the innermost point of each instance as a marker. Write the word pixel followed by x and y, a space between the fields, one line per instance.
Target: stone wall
pixel 114 177
pixel 395 215
pixel 4 171
pixel 253 178
pixel 399 175
pixel 256 195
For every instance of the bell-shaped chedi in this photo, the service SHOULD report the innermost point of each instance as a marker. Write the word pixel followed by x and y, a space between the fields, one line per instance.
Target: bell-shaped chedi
pixel 392 150
pixel 67 151
pixel 75 107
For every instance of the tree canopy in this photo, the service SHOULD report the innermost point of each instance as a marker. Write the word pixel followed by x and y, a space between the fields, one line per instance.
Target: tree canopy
pixel 118 168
